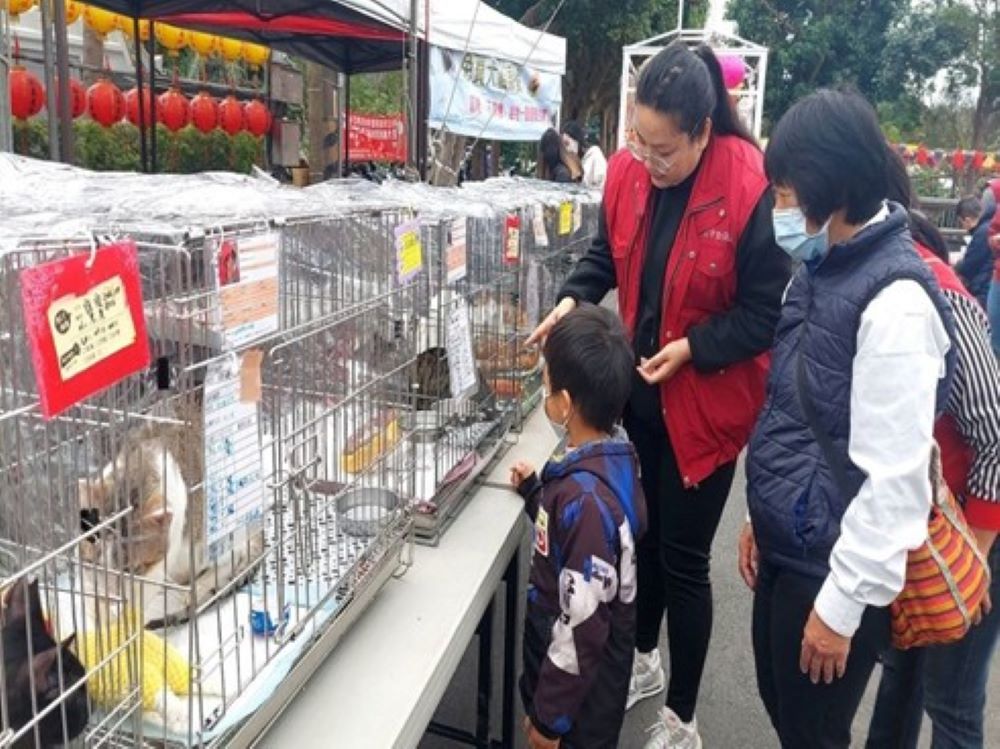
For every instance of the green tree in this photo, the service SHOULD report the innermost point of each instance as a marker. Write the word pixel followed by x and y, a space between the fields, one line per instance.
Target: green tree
pixel 595 32
pixel 377 93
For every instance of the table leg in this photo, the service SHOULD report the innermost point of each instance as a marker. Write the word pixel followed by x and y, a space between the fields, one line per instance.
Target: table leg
pixel 485 687
pixel 511 594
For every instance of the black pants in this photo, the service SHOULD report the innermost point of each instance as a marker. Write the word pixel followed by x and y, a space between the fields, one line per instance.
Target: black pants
pixel 673 563
pixel 807 715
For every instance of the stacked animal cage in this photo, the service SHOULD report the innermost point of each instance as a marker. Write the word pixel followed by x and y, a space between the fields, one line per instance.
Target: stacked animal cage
pixel 459 410
pixel 197 533
pixel 326 369
pixel 554 225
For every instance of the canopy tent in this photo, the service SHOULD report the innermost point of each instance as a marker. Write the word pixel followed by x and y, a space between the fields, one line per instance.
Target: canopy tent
pixel 359 35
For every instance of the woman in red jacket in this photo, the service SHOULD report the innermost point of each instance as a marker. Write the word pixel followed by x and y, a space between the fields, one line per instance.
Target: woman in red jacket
pixel 686 237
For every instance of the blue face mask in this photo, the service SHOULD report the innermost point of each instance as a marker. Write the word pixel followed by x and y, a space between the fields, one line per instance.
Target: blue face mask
pixel 791 235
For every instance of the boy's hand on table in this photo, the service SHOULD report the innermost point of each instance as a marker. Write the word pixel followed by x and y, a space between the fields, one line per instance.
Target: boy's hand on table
pixel 520 472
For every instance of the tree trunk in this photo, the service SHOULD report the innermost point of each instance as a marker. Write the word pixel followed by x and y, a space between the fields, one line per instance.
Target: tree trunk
pixel 316 125
pixel 93 55
pixel 446 155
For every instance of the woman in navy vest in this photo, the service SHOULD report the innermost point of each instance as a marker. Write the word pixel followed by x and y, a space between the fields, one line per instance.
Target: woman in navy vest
pixel 838 467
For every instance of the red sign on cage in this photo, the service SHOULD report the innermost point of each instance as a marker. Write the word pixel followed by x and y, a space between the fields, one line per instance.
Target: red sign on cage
pixel 376 138
pixel 85 324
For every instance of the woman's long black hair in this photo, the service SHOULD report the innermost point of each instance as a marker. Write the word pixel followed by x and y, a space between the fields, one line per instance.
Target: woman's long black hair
pixel 689 85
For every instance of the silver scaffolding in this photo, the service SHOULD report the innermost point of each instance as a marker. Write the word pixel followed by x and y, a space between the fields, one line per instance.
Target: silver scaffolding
pixel 749 97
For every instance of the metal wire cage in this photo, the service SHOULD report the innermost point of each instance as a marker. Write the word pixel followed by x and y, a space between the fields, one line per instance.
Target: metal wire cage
pixel 179 549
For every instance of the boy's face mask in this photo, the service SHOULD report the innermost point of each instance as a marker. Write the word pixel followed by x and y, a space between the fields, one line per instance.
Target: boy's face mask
pixel 560 429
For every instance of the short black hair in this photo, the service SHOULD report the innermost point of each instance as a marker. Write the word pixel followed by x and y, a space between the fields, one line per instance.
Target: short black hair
pixel 575 131
pixel 588 355
pixel 829 149
pixel 969 207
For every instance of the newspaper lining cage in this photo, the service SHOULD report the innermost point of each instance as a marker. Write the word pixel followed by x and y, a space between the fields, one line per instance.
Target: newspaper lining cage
pixel 327 370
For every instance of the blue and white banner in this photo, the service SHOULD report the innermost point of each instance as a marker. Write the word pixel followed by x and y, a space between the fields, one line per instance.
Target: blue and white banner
pixel 491 98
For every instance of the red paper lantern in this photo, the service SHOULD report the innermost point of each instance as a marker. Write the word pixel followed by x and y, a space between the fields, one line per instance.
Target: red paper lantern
pixel 204 112
pixel 105 102
pixel 923 157
pixel 132 107
pixel 958 160
pixel 173 109
pixel 27 95
pixel 231 116
pixel 258 117
pixel 77 99
pixel 978 159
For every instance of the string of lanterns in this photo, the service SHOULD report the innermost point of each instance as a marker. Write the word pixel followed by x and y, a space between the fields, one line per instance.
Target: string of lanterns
pixel 959 160
pixel 107 105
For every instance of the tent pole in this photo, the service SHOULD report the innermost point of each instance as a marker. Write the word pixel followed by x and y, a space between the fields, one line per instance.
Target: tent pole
pixel 139 86
pixel 66 145
pixel 153 166
pixel 413 85
pixel 52 120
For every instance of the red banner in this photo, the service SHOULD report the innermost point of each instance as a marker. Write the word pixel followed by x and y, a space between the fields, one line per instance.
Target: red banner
pixel 85 324
pixel 376 138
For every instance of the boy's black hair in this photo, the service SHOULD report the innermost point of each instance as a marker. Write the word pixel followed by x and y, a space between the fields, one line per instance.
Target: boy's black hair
pixel 588 355
pixel 829 149
pixel 969 207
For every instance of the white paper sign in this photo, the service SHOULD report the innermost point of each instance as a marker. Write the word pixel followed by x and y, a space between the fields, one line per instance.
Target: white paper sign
pixel 538 226
pixel 533 293
pixel 461 361
pixel 234 488
pixel 455 257
pixel 246 277
pixel 577 216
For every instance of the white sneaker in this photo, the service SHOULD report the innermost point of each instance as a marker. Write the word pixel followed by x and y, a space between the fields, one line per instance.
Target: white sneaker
pixel 647 677
pixel 670 733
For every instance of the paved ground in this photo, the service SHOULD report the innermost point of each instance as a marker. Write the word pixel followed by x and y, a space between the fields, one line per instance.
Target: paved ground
pixel 730 712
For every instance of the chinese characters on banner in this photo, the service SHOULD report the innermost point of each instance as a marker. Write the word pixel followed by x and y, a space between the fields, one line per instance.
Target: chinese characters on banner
pixel 376 138
pixel 85 324
pixel 491 98
pixel 246 275
pixel 234 488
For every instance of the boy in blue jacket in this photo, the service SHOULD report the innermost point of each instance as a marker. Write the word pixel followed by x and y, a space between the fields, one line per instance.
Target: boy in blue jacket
pixel 588 510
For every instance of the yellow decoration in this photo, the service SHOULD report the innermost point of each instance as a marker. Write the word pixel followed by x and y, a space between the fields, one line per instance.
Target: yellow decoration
pixel 231 48
pixel 17 7
pixel 127 26
pixel 162 665
pixel 256 54
pixel 73 11
pixel 204 44
pixel 103 22
pixel 171 38
pixel 989 163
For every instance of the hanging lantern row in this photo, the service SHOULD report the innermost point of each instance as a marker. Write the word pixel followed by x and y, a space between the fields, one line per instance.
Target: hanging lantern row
pixel 107 105
pixel 959 160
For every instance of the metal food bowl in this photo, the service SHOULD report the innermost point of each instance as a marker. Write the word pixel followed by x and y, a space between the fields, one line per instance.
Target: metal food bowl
pixel 364 512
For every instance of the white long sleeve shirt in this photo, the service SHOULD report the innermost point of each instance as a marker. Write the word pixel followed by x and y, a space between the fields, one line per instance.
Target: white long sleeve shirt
pixel 595 168
pixel 901 348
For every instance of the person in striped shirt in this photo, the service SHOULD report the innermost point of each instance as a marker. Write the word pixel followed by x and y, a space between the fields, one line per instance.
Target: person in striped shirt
pixel 949 682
